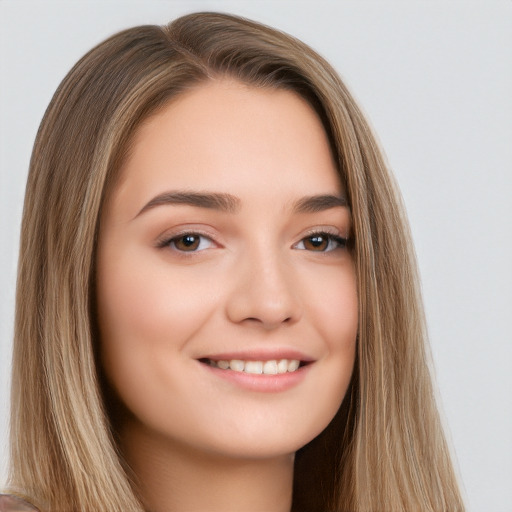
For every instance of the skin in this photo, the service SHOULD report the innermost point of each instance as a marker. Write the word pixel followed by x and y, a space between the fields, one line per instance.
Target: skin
pixel 257 282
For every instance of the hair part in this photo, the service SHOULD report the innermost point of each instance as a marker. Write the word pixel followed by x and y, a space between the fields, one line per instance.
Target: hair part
pixel 385 449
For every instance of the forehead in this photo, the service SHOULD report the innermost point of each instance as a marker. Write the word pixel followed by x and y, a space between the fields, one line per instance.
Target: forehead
pixel 228 136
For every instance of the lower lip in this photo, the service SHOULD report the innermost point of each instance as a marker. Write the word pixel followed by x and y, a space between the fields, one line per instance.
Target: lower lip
pixel 261 382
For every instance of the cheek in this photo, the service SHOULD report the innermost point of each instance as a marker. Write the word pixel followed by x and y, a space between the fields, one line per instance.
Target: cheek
pixel 147 304
pixel 342 321
pixel 145 317
pixel 333 313
pixel 333 310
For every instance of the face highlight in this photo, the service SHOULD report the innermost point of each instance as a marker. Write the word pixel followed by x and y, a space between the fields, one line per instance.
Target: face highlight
pixel 226 293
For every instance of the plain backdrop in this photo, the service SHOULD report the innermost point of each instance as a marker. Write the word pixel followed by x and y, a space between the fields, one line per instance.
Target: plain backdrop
pixel 435 79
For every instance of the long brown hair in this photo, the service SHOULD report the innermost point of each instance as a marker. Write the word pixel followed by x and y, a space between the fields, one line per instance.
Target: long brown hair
pixel 385 449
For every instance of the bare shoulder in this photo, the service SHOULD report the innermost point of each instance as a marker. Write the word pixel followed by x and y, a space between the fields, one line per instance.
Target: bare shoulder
pixel 10 503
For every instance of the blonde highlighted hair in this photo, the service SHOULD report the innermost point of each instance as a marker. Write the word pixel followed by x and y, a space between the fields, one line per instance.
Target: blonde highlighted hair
pixel 385 449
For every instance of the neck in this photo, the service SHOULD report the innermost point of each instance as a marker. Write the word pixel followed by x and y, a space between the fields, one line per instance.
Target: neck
pixel 173 477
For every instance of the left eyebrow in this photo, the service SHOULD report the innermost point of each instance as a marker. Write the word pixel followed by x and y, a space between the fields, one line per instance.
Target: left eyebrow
pixel 319 203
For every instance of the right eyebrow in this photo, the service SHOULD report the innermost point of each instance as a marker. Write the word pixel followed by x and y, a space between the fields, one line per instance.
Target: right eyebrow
pixel 320 203
pixel 215 201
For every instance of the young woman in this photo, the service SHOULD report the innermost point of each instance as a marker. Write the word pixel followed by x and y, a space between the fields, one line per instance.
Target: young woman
pixel 217 303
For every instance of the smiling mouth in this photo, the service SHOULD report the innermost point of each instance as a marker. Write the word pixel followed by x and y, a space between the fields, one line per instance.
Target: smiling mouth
pixel 271 367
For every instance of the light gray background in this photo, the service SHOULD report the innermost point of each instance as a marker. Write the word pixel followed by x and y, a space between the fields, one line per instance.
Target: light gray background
pixel 435 79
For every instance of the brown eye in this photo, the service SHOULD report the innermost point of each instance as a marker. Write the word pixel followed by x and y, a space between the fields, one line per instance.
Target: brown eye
pixel 316 243
pixel 322 242
pixel 187 242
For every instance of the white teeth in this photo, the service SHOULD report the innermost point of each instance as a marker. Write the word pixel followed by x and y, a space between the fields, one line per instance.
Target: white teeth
pixel 237 365
pixel 293 365
pixel 272 367
pixel 282 366
pixel 253 367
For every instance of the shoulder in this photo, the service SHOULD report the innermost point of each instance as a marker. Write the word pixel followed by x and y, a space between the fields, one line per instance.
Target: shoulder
pixel 11 503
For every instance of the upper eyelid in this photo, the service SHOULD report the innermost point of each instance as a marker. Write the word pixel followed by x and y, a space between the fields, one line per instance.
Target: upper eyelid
pixel 326 230
pixel 170 234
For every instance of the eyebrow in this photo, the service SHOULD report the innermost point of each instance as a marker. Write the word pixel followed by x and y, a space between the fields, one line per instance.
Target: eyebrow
pixel 232 204
pixel 214 201
pixel 319 203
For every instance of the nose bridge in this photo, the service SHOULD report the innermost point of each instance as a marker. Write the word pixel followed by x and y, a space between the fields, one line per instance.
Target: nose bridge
pixel 264 288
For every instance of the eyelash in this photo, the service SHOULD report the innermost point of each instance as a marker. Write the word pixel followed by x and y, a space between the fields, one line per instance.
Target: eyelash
pixel 339 241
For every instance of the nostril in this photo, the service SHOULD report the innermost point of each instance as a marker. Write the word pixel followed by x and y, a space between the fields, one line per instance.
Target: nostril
pixel 263 297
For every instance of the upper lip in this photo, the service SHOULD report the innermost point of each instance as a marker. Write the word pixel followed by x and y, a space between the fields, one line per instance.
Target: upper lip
pixel 260 354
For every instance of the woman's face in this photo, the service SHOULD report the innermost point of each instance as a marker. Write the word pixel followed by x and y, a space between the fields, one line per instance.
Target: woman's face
pixel 222 267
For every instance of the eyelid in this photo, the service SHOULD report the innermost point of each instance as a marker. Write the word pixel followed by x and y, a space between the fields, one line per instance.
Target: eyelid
pixel 326 230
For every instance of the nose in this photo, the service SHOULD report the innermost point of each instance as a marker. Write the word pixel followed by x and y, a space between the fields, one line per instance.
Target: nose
pixel 263 293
